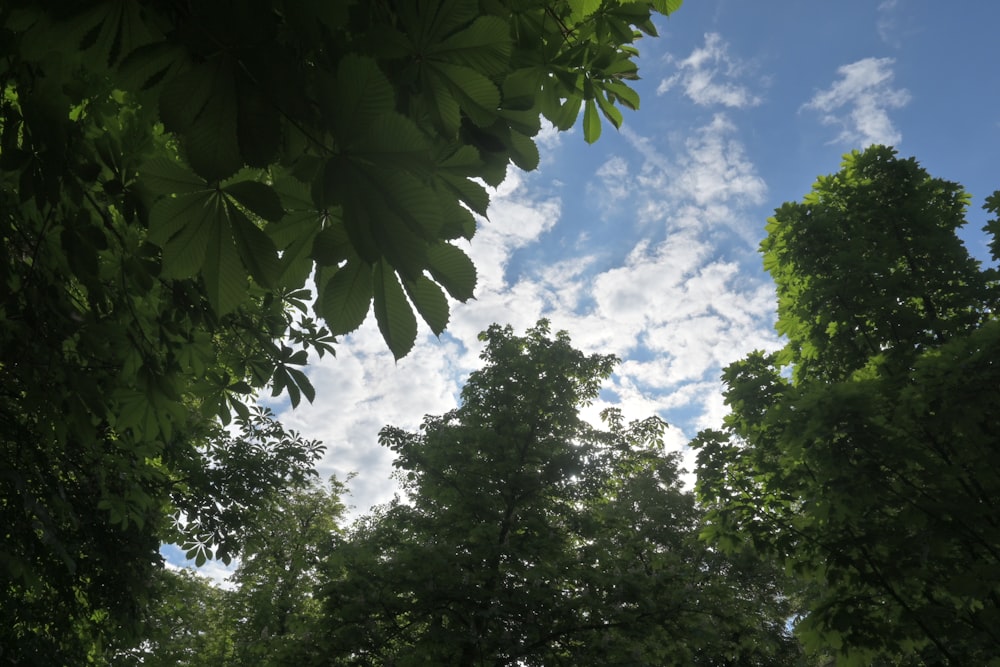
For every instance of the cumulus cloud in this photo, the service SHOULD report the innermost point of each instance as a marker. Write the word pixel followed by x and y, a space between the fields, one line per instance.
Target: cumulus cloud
pixel 710 76
pixel 859 103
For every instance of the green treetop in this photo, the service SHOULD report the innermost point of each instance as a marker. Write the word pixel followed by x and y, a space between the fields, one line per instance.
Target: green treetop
pixel 865 454
pixel 528 536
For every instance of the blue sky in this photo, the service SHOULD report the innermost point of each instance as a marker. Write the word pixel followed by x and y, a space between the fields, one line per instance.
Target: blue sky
pixel 644 244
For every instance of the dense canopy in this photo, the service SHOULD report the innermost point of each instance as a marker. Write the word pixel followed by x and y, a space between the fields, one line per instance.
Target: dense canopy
pixel 864 455
pixel 196 196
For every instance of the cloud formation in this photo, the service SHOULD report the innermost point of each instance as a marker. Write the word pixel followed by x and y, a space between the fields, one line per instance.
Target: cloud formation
pixel 859 103
pixel 709 76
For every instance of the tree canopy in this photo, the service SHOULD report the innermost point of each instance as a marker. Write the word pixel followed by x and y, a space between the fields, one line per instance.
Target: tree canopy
pixel 528 536
pixel 194 197
pixel 865 453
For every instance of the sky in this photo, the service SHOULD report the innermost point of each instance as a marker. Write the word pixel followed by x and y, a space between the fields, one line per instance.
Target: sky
pixel 645 244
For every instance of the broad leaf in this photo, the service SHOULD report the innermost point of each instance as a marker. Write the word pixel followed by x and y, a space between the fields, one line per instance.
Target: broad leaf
pixel 453 270
pixel 429 301
pixel 346 297
pixel 259 198
pixel 255 248
pixel 392 312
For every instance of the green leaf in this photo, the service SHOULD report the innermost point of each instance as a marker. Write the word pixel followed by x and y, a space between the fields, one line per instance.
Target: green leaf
pixel 667 6
pixel 523 151
pixel 392 312
pixel 223 272
pixel 211 144
pixel 475 93
pixel 591 122
pixel 182 226
pixel 391 140
pixel 453 270
pixel 624 94
pixel 609 109
pixel 483 46
pixel 161 175
pixel 346 297
pixel 259 198
pixel 302 380
pixel 362 93
pixel 584 8
pixel 256 249
pixel 429 301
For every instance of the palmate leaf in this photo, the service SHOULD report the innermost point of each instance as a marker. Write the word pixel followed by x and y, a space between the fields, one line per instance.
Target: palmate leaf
pixel 259 198
pixel 224 275
pixel 478 97
pixel 484 46
pixel 667 6
pixel 211 144
pixel 181 226
pixel 162 175
pixel 255 248
pixel 453 270
pixel 345 298
pixel 429 301
pixel 361 93
pixel 392 311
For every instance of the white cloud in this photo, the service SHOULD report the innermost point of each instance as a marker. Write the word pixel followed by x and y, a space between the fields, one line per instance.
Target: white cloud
pixel 860 101
pixel 709 76
pixel 674 305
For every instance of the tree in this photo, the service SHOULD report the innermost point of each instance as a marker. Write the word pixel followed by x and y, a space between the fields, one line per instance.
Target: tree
pixel 266 614
pixel 865 454
pixel 528 536
pixel 273 610
pixel 186 624
pixel 172 176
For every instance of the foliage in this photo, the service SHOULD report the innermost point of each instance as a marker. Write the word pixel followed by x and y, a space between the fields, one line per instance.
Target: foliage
pixel 172 176
pixel 266 612
pixel 530 537
pixel 186 624
pixel 274 613
pixel 865 454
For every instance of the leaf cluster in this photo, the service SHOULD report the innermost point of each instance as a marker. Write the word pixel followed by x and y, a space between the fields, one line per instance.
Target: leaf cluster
pixel 862 454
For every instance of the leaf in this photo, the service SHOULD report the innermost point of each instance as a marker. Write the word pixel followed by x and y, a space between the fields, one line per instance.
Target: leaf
pixel 346 297
pixel 302 380
pixel 429 301
pixel 667 6
pixel 362 93
pixel 624 94
pixel 453 270
pixel 259 198
pixel 258 128
pixel 476 94
pixel 256 249
pixel 609 109
pixel 223 273
pixel 483 46
pixel 392 312
pixel 211 144
pixel 182 226
pixel 164 176
pixel 524 151
pixel 584 8
pixel 184 97
pixel 591 122
pixel 391 140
